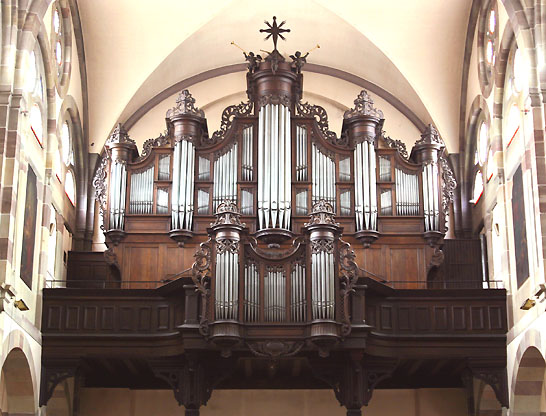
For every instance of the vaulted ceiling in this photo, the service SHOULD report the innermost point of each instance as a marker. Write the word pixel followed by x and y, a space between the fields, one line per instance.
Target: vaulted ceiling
pixel 135 50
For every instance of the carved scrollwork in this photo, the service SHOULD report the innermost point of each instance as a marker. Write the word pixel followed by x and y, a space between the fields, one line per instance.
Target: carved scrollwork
pixel 320 115
pixel 274 99
pixel 158 141
pixel 185 104
pixel 449 184
pixel 242 109
pixel 119 135
pixel 201 280
pixel 99 183
pixel 395 144
pixel 322 214
pixel 225 245
pixel 227 214
pixel 430 136
pixel 363 107
pixel 275 349
pixel 348 280
pixel 320 246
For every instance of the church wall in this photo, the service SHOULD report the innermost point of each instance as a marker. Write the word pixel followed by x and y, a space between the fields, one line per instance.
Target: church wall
pixel 125 402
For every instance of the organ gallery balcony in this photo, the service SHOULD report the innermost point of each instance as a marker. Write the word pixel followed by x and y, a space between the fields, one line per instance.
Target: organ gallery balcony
pixel 271 247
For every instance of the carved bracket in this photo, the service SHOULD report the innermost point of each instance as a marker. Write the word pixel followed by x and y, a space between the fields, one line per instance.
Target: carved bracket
pixel 495 376
pixel 201 279
pixel 354 383
pixel 275 349
pixel 53 374
pixel 349 279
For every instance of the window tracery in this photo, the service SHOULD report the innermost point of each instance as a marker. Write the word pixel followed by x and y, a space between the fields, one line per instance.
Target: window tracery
pixel 488 35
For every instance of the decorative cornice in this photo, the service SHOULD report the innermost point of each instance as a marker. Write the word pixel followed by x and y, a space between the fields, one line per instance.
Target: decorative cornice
pixel 322 214
pixel 430 136
pixel 321 117
pixel 242 109
pixel 363 107
pixel 227 214
pixel 185 104
pixel 119 135
pixel 158 141
pixel 274 99
pixel 395 144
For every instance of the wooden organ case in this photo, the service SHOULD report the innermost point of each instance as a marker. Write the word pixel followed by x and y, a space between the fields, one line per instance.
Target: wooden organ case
pixel 284 239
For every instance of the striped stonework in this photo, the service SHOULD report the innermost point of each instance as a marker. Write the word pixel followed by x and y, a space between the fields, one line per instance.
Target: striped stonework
pixel 488 405
pixel 528 375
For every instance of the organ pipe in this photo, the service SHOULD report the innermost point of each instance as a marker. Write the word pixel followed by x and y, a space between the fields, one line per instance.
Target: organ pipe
pixel 274 167
pixel 365 186
pixel 407 193
pixel 324 187
pixel 183 183
pixel 225 178
pixel 118 185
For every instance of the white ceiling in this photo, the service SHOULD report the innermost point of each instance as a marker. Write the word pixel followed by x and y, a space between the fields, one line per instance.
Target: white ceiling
pixel 136 48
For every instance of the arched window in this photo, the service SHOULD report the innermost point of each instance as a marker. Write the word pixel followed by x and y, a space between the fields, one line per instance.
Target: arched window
pixel 66 144
pixel 480 158
pixel 516 96
pixel 34 94
pixel 488 34
pixel 61 44
pixel 70 187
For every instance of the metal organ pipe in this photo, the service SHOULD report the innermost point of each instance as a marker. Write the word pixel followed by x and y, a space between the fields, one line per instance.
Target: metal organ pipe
pixel 324 186
pixel 225 178
pixel 274 167
pixel 183 183
pixel 365 186
pixel 118 184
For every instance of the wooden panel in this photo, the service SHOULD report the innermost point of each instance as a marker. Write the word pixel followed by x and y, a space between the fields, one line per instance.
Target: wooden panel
pixel 405 264
pixel 459 317
pixel 404 318
pixel 174 260
pixel 54 316
pixel 440 318
pixel 107 318
pixel 90 317
pixel 495 317
pixel 422 319
pixel 142 264
pixel 72 317
pixel 372 259
pixel 477 318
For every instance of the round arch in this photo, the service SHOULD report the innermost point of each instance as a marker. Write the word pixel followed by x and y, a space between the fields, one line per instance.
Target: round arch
pixel 17 387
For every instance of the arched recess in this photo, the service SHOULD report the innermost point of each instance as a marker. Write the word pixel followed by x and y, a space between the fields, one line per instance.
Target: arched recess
pixel 61 401
pixel 477 113
pixel 17 388
pixel 529 384
pixel 487 403
pixel 69 110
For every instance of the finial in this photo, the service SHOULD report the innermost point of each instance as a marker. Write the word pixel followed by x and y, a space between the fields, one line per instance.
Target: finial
pixel 185 104
pixel 119 135
pixel 275 31
pixel 364 107
pixel 430 136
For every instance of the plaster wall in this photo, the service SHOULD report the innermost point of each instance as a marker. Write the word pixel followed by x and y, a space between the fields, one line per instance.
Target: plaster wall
pixel 124 402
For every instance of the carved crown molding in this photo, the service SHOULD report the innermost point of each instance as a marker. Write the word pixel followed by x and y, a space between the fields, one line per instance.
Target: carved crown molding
pixel 158 141
pixel 227 214
pixel 321 117
pixel 119 135
pixel 430 136
pixel 282 99
pixel 322 214
pixel 395 144
pixel 229 113
pixel 185 104
pixel 363 107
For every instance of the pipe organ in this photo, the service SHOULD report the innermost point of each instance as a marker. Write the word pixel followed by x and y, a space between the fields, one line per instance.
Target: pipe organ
pixel 265 201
